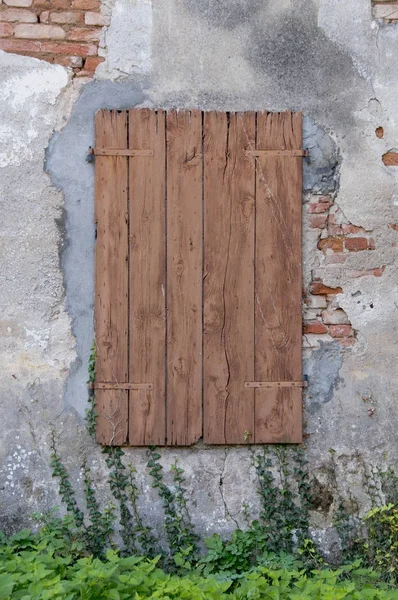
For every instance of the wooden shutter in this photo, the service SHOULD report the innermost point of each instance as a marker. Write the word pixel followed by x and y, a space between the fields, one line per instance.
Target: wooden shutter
pixel 198 277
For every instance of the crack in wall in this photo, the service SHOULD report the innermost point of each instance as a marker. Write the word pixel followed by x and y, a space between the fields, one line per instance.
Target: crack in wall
pixel 226 509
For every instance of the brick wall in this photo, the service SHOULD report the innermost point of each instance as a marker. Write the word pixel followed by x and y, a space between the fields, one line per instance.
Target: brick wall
pixel 324 319
pixel 387 10
pixel 66 32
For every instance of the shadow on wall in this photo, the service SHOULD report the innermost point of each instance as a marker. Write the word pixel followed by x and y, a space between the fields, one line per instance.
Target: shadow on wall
pixel 286 46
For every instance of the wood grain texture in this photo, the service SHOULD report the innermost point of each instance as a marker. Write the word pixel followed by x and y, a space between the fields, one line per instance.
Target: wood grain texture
pixel 147 278
pixel 278 412
pixel 184 277
pixel 229 187
pixel 111 278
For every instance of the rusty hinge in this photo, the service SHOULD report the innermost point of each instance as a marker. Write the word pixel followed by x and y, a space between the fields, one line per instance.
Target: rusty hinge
pixel 120 386
pixel 275 384
pixel 277 152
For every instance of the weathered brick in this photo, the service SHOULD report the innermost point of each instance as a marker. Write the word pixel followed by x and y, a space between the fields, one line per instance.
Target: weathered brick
pixel 356 244
pixel 335 317
pixel 86 4
pixel 378 272
pixel 66 18
pixel 334 243
pixel 318 207
pixel 348 228
pixel 318 221
pixel 388 12
pixel 317 302
pixel 17 15
pixel 393 226
pixel 315 327
pixel 346 342
pixel 92 62
pixel 6 30
pixel 379 132
pixel 65 61
pixel 21 46
pixel 52 4
pixel 334 229
pixel 20 3
pixel 39 32
pixel 335 259
pixel 338 331
pixel 92 18
pixel 45 16
pixel 317 288
pixel 84 34
pixel 69 48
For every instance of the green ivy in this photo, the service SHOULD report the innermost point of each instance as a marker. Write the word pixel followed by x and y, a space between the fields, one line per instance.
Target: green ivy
pixel 91 415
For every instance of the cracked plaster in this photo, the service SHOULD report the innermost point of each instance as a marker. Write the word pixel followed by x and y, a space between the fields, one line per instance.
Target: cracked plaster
pixel 325 58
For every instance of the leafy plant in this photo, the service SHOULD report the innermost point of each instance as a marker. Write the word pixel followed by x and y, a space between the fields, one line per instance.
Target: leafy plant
pixel 91 415
pixel 180 534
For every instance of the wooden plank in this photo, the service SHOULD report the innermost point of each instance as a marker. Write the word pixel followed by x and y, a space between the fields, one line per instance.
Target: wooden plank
pixel 184 277
pixel 278 412
pixel 147 408
pixel 229 187
pixel 111 278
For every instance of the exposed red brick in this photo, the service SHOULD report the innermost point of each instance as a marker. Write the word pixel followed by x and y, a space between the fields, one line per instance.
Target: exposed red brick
pixel 334 317
pixel 371 244
pixel 334 230
pixel 66 18
pixel 39 31
pixel 69 48
pixel 84 34
pixel 338 331
pixel 317 288
pixel 318 221
pixel 65 61
pixel 20 3
pixel 336 244
pixel 314 327
pixel 18 15
pixel 393 226
pixel 52 4
pixel 21 46
pixel 92 62
pixel 86 4
pixel 348 228
pixel 390 159
pixel 335 259
pixel 319 207
pixel 6 29
pixel 346 342
pixel 378 272
pixel 379 132
pixel 356 244
pixel 92 18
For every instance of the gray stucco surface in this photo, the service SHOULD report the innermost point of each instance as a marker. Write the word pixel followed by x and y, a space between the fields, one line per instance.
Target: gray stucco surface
pixel 323 57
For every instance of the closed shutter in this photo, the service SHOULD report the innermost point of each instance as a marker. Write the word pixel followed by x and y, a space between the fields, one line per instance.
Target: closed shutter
pixel 198 277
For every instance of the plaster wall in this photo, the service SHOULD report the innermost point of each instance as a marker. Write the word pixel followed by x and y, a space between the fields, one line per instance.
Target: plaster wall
pixel 327 58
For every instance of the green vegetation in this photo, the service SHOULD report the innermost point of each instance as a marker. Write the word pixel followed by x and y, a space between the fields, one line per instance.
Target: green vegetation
pixel 98 551
pixel 52 565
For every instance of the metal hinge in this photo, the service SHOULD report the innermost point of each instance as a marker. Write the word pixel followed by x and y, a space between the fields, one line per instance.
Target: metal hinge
pixel 120 386
pixel 275 384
